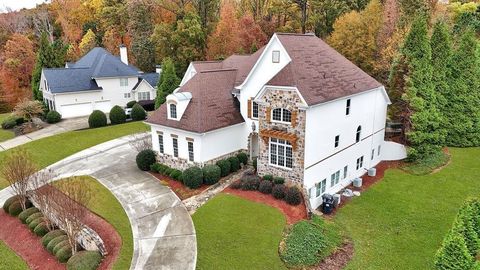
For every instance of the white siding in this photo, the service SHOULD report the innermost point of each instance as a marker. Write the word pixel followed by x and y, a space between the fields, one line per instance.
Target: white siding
pixel 114 92
pixel 144 87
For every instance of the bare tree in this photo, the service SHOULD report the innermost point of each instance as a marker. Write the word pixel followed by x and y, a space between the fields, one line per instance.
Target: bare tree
pixel 17 169
pixel 141 142
pixel 43 195
pixel 42 22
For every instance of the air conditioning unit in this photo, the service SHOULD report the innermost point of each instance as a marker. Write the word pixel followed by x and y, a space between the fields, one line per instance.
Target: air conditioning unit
pixel 372 172
pixel 336 200
pixel 357 182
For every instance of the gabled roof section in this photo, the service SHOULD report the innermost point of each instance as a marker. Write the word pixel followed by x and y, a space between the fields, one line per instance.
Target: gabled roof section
pixel 150 78
pixel 212 105
pixel 319 72
pixel 64 80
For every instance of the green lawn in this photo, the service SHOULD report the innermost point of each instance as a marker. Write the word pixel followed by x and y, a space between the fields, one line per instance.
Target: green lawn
pixel 9 260
pixel 400 222
pixel 5 134
pixel 104 204
pixel 49 150
pixel 233 233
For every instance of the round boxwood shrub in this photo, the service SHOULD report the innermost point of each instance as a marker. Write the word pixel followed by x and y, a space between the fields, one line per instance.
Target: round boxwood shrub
pixel 293 196
pixel 97 119
pixel 243 158
pixel 176 174
pixel 268 177
pixel 138 113
pixel 53 117
pixel 8 202
pixel 192 177
pixel 32 217
pixel 145 159
pixel 211 174
pixel 278 180
pixel 50 236
pixel 9 123
pixel 55 241
pixel 117 115
pixel 278 191
pixel 234 163
pixel 60 245
pixel 41 229
pixel 265 187
pixel 26 213
pixel 130 104
pixel 35 222
pixel 84 260
pixel 15 208
pixel 64 254
pixel 225 167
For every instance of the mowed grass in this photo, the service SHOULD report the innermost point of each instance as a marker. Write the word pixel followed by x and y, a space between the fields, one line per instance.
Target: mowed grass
pixel 9 260
pixel 400 222
pixel 234 233
pixel 104 204
pixel 49 150
pixel 5 134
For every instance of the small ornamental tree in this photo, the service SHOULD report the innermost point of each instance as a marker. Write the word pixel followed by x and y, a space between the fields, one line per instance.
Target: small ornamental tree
pixel 28 109
pixel 117 115
pixel 138 113
pixel 453 254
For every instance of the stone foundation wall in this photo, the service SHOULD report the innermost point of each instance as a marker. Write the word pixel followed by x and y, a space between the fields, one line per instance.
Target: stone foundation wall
pixel 182 164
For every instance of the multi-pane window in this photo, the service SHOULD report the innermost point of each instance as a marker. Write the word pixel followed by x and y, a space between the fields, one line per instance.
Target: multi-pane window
pixel 311 191
pixel 126 95
pixel 347 109
pixel 281 153
pixel 337 141
pixel 190 151
pixel 282 115
pixel 276 56
pixel 175 147
pixel 359 162
pixel 254 109
pixel 335 178
pixel 345 172
pixel 173 111
pixel 143 95
pixel 359 133
pixel 123 81
pixel 321 187
pixel 160 143
pixel 373 154
pixel 378 150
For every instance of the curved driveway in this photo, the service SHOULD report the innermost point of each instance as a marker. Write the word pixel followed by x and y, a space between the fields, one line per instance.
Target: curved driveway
pixel 163 232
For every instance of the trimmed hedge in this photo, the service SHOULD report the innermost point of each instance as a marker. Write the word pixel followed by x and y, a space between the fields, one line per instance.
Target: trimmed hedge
pixel 8 202
pixel 32 217
pixel 265 187
pixel 50 236
pixel 131 103
pixel 41 229
pixel 453 254
pixel 278 191
pixel 243 158
pixel 293 196
pixel 138 113
pixel 15 208
pixel 84 260
pixel 268 177
pixel 53 117
pixel 155 167
pixel 64 254
pixel 60 246
pixel 176 174
pixel 55 241
pixel 211 174
pixel 97 119
pixel 192 177
pixel 225 167
pixel 34 223
pixel 145 159
pixel 234 164
pixel 117 115
pixel 26 213
pixel 278 180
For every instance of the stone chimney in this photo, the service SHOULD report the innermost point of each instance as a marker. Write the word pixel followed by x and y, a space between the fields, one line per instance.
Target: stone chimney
pixel 124 54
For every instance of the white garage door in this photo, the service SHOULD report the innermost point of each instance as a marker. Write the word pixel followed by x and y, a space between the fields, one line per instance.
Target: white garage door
pixel 103 106
pixel 76 110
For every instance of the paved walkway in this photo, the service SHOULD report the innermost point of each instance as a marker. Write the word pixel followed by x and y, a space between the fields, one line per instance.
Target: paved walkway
pixel 163 231
pixel 53 129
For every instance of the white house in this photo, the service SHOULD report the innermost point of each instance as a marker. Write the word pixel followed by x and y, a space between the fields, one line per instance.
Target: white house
pixel 298 106
pixel 98 81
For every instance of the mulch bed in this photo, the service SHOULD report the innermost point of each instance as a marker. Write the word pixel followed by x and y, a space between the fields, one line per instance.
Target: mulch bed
pixel 292 213
pixel 178 187
pixel 338 260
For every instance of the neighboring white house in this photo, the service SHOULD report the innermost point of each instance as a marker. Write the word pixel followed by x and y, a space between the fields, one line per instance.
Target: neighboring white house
pixel 97 81
pixel 298 106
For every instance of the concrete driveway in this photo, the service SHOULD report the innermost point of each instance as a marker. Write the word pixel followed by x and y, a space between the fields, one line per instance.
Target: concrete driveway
pixel 163 231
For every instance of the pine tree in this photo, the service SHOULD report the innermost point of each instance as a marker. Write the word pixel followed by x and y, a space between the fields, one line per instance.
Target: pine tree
pixel 453 254
pixel 465 225
pixel 167 83
pixel 140 29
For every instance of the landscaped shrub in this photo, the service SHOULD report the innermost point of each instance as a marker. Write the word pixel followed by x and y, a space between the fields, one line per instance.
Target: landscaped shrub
pixel 453 254
pixel 465 226
pixel 145 159
pixel 265 187
pixel 64 254
pixel 167 171
pixel 8 202
pixel 26 213
pixel 243 158
pixel 162 168
pixel 234 164
pixel 33 224
pixel 255 160
pixel 53 117
pixel 84 260
pixel 193 177
pixel 55 242
pixel 211 174
pixel 41 229
pixel 15 208
pixel 8 124
pixel 268 177
pixel 50 236
pixel 278 180
pixel 97 119
pixel 131 103
pixel 237 184
pixel 117 115
pixel 293 196
pixel 176 174
pixel 156 167
pixel 60 246
pixel 225 167
pixel 250 182
pixel 32 217
pixel 278 191
pixel 138 113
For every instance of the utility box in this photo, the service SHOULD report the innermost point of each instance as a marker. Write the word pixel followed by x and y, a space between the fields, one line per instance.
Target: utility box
pixel 372 172
pixel 336 200
pixel 357 182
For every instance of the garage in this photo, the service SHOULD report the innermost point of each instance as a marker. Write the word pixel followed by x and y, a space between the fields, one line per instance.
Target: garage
pixel 76 110
pixel 103 105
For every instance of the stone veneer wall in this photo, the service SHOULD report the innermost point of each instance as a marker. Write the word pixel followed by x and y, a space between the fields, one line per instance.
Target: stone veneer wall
pixel 282 99
pixel 182 164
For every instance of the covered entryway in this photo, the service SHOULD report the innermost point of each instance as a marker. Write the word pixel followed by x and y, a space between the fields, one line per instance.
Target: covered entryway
pixel 254 146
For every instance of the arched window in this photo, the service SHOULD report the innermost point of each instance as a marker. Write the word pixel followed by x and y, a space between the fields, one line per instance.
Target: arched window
pixel 173 111
pixel 282 115
pixel 359 132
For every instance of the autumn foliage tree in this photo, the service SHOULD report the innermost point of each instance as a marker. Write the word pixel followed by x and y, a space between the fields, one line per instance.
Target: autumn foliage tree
pixel 89 41
pixel 225 39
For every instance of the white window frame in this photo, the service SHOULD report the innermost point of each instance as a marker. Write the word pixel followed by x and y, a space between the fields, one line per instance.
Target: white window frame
pixel 276 56
pixel 174 114
pixel 373 154
pixel 359 163
pixel 282 116
pixel 337 141
pixel 274 153
pixel 378 150
pixel 191 153
pixel 348 106
pixel 161 148
pixel 175 149
pixel 358 134
pixel 335 179
pixel 320 187
pixel 123 82
pixel 254 110
pixel 345 172
pixel 143 95
pixel 127 95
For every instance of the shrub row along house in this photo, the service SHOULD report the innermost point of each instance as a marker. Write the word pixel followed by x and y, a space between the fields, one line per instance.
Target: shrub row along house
pixel 300 108
pixel 97 81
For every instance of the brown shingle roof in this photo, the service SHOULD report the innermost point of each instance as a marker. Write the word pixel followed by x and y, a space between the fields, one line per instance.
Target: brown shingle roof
pixel 212 105
pixel 318 71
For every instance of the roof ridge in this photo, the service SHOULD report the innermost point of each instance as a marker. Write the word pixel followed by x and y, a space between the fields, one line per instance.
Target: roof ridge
pixel 296 34
pixel 218 70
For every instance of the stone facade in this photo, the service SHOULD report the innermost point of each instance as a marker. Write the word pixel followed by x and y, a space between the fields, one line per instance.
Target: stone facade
pixel 182 164
pixel 275 98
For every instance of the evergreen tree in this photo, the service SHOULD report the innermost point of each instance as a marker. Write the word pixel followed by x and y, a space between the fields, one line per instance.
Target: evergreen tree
pixel 140 29
pixel 453 254
pixel 167 83
pixel 465 226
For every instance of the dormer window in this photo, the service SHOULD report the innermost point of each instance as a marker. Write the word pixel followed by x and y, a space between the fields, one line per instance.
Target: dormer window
pixel 276 56
pixel 173 111
pixel 282 115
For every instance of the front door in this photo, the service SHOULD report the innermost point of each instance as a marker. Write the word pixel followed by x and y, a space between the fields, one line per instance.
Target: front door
pixel 254 146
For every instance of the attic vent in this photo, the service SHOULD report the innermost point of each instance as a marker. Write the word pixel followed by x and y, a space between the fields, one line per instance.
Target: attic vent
pixel 276 56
